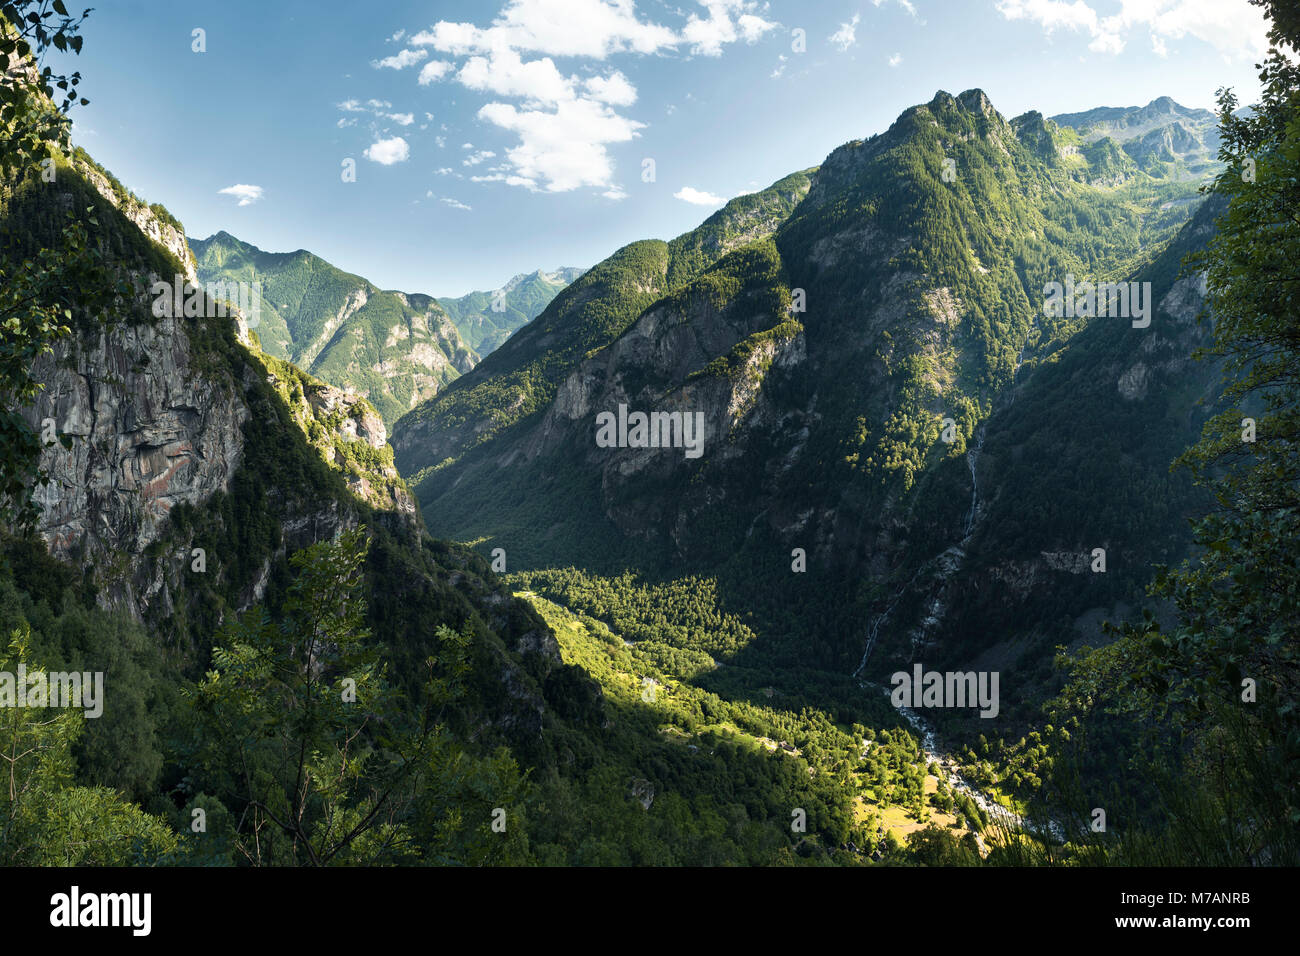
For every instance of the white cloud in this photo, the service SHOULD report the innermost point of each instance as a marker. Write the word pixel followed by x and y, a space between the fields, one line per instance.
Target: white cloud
pixel 434 70
pixel 375 108
pixel 456 204
pixel 613 89
pixel 473 159
pixel 1236 31
pixel 905 4
pixel 708 36
pixel 386 152
pixel 246 194
pixel 586 28
pixel 565 121
pixel 444 171
pixel 753 27
pixel 896 59
pixel 615 193
pixel 505 73
pixel 847 35
pixel 564 149
pixel 698 197
pixel 400 61
pixel 509 180
pixel 396 37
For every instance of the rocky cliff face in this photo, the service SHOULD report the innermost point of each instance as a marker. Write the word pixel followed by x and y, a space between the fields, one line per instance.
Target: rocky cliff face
pixel 348 434
pixel 157 414
pixel 524 374
pixel 667 364
pixel 148 431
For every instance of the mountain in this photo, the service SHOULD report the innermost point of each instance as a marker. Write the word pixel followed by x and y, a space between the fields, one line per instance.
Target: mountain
pixel 1075 456
pixel 522 376
pixel 486 319
pixel 191 470
pixel 906 455
pixel 1162 138
pixel 923 289
pixel 194 483
pixel 396 349
pixel 921 295
pixel 902 457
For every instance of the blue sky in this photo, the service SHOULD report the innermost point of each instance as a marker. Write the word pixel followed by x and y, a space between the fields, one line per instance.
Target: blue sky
pixel 501 136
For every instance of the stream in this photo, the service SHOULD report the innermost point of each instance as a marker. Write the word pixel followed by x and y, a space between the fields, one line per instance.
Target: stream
pixel 997 813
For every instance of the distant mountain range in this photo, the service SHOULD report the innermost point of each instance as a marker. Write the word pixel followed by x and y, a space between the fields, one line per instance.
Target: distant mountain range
pixel 397 349
pixel 1162 139
pixel 486 319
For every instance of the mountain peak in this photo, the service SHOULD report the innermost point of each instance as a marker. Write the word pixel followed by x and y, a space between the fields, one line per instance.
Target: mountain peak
pixel 976 101
pixel 223 238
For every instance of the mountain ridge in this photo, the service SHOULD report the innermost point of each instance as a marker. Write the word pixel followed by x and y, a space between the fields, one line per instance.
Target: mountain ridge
pixel 924 302
pixel 395 348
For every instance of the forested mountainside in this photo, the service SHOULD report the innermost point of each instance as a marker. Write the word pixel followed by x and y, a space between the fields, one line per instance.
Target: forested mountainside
pixel 188 472
pixel 396 349
pixel 521 377
pixel 918 300
pixel 393 348
pixel 920 309
pixel 209 506
pixel 634 588
pixel 486 319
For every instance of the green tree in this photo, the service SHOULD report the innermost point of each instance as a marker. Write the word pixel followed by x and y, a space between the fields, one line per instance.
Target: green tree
pixel 44 819
pixel 1239 599
pixel 327 763
pixel 33 119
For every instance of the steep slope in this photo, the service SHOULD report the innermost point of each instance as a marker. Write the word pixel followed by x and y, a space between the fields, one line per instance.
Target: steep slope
pixel 393 348
pixel 486 319
pixel 1074 458
pixel 199 464
pixel 923 286
pixel 196 465
pixel 522 376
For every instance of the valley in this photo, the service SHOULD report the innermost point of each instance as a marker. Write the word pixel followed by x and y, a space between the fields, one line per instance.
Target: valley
pixel 930 506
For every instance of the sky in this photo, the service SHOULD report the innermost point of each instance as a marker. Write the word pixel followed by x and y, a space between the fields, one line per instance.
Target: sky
pixel 440 146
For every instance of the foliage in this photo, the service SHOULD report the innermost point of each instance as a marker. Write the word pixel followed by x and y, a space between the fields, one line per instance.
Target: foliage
pixel 47 819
